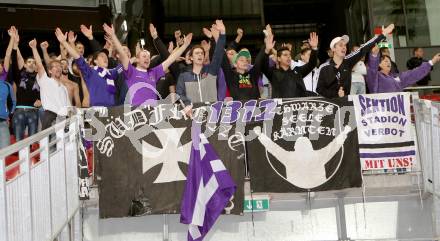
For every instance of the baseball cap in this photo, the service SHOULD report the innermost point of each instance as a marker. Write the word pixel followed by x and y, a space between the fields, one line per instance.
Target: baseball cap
pixel 243 52
pixel 344 38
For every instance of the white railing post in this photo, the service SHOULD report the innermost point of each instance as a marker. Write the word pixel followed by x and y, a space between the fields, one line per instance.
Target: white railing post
pixel 3 202
pixel 70 139
pixel 44 156
pixel 25 168
pixel 58 178
pixel 435 126
pixel 435 154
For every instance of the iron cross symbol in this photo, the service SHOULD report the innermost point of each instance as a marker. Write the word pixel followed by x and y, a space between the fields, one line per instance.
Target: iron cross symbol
pixel 169 155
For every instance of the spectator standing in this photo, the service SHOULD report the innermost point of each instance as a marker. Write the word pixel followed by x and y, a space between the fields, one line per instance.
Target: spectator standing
pixel 415 62
pixel 7 96
pixel 358 76
pixel 380 79
pixel 100 81
pixel 334 76
pixel 54 96
pixel 26 114
pixel 147 93
pixel 199 82
pixel 287 82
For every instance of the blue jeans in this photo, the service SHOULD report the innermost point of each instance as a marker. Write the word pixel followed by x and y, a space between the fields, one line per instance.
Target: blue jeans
pixel 4 134
pixel 25 118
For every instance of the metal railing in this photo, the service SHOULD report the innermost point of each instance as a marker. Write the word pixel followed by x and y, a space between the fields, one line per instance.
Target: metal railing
pixel 428 138
pixel 41 202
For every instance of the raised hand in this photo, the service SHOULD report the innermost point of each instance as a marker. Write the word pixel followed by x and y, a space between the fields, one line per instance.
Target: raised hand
pixel 16 37
pixel 220 26
pixel 33 43
pixel 62 37
pixel 268 30
pixel 153 31
pixel 11 31
pixel 170 46
pixel 88 32
pixel 187 39
pixel 313 40
pixel 109 30
pixel 240 32
pixel 71 36
pixel 436 58
pixel 388 30
pixel 44 45
pixel 269 43
pixel 215 32
pixel 207 33
pixel 108 42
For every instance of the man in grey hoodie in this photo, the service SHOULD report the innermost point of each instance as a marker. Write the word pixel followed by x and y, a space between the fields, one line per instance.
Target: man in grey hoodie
pixel 199 82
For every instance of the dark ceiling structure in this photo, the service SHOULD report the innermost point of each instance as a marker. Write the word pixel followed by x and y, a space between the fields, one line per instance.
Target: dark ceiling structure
pixel 291 20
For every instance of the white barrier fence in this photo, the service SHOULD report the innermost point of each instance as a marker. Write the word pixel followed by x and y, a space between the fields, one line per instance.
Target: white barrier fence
pixel 428 137
pixel 41 202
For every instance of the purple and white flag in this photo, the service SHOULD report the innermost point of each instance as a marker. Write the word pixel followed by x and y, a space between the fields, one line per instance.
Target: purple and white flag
pixel 209 187
pixel 385 132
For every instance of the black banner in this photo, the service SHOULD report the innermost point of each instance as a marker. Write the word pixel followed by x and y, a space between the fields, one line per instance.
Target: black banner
pixel 290 146
pixel 310 145
pixel 143 158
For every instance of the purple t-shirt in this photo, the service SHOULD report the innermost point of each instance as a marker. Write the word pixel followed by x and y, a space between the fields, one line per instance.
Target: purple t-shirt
pixel 4 74
pixel 142 84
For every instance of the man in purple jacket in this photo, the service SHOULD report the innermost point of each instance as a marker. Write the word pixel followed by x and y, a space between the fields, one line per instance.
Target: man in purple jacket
pixel 100 80
pixel 381 80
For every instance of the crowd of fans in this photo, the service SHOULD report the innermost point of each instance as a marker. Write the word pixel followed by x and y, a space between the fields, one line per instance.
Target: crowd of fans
pixel 34 91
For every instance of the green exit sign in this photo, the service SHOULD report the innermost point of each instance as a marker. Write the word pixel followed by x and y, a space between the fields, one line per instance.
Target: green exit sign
pixel 259 203
pixel 385 45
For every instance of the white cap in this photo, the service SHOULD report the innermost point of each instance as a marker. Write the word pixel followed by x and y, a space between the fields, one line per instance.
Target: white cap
pixel 344 38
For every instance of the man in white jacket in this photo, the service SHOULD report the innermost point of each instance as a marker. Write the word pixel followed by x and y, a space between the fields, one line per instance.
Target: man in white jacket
pixel 358 74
